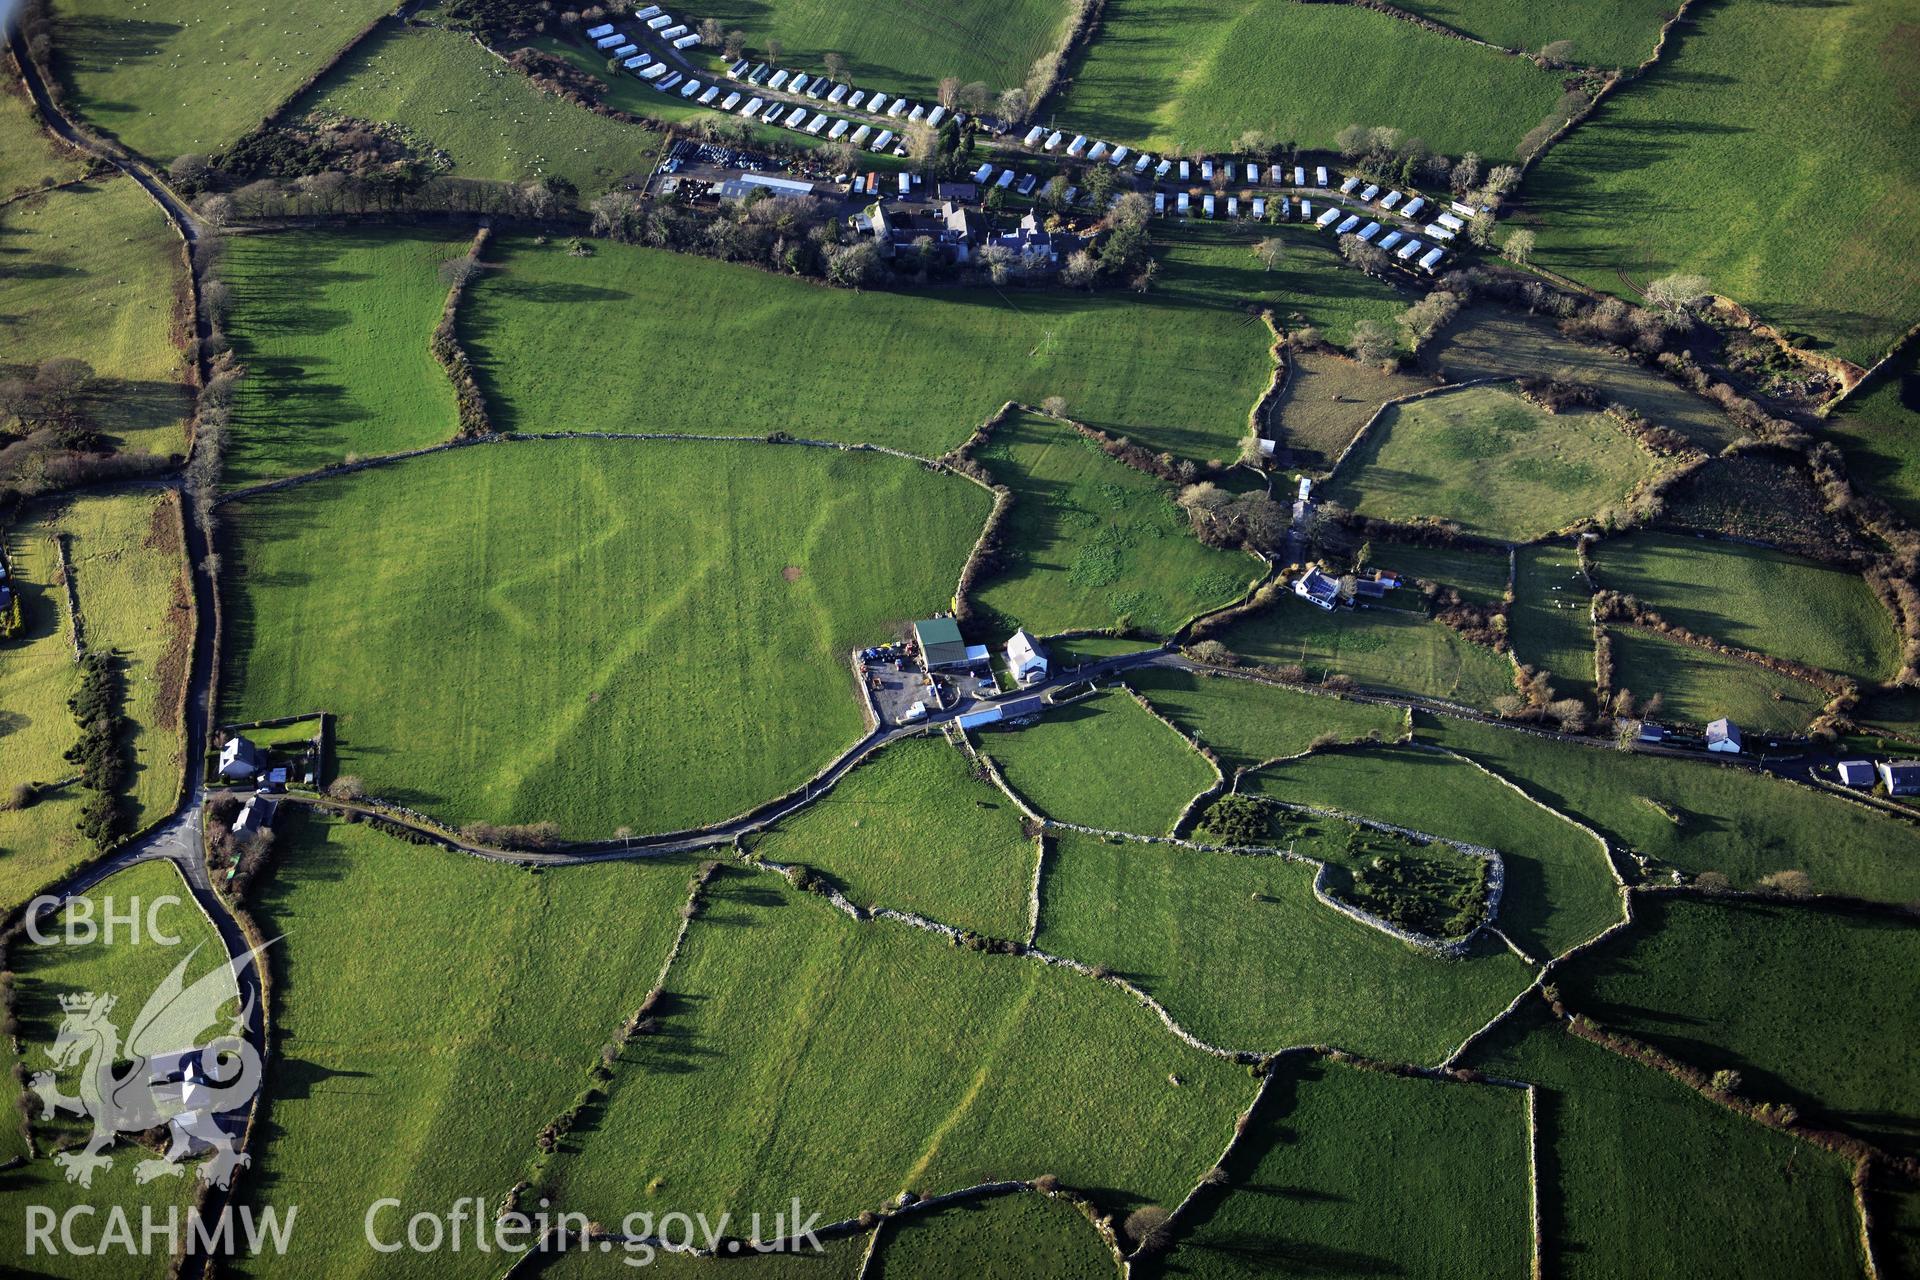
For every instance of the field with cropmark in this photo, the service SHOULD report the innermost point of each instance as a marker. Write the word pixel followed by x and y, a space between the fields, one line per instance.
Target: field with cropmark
pixel 1696 686
pixel 1490 462
pixel 1718 162
pixel 1165 76
pixel 334 329
pixel 1090 542
pixel 1103 762
pixel 724 616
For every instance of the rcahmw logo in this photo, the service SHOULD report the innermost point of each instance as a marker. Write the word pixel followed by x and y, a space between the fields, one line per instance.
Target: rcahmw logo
pixel 86 1231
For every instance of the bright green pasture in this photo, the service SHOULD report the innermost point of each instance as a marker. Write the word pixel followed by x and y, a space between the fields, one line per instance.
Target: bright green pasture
pixel 1640 1176
pixel 1247 721
pixel 803 1054
pixel 1491 462
pixel 1102 763
pixel 916 371
pixel 455 97
pixel 334 327
pixel 1479 576
pixel 1697 686
pixel 1349 1172
pixel 1879 433
pixel 173 76
pixel 1724 161
pixel 1493 342
pixel 1174 921
pixel 913 828
pixel 28 155
pixel 1612 33
pixel 1552 629
pixel 1167 75
pixel 1394 650
pixel 1312 285
pixel 1559 891
pixel 1093 543
pixel 1702 817
pixel 1005 1238
pixel 95 272
pixel 598 634
pixel 900 45
pixel 449 1005
pixel 1810 1005
pixel 1757 598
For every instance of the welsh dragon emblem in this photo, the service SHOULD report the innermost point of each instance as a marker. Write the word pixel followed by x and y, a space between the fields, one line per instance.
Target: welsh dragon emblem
pixel 125 1087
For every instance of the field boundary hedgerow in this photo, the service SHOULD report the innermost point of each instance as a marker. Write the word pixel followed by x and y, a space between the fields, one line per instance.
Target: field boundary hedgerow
pixel 470 403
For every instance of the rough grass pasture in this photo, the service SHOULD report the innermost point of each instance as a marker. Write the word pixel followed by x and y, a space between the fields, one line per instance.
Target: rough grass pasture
pixel 901 46
pixel 1393 650
pixel 1094 543
pixel 1559 891
pixel 1246 721
pixel 1023 1234
pixel 1762 497
pixel 1493 342
pixel 1174 921
pixel 598 634
pixel 1166 75
pixel 1697 685
pixel 1351 1172
pixel 913 828
pixel 1103 763
pixel 917 371
pixel 168 77
pixel 1552 627
pixel 94 272
pixel 1613 33
pixel 29 157
pixel 1328 398
pixel 1721 160
pixel 1879 433
pixel 1809 1004
pixel 1757 598
pixel 450 1038
pixel 455 97
pixel 1711 1193
pixel 931 1067
pixel 1492 463
pixel 333 327
pixel 1701 817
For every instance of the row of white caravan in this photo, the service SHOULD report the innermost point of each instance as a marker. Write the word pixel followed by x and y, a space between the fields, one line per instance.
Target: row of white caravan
pixel 610 40
pixel 800 119
pixel 1404 247
pixel 821 89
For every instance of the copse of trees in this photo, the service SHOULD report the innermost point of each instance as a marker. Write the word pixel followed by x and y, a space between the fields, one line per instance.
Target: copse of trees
pixel 100 753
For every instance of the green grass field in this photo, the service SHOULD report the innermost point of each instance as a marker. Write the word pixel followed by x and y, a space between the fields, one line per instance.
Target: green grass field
pixel 1004 1238
pixel 913 828
pixel 1350 1172
pixel 1094 543
pixel 1757 598
pixel 1393 650
pixel 1697 686
pixel 28 155
pixel 95 272
pixel 1559 891
pixel 168 77
pixel 1493 342
pixel 1617 33
pixel 1489 461
pixel 452 1007
pixel 902 46
pixel 130 575
pixel 1479 576
pixel 131 970
pixel 1246 722
pixel 687 622
pixel 1711 1195
pixel 1551 629
pixel 915 1065
pixel 916 371
pixel 488 118
pixel 1328 399
pixel 1718 161
pixel 1214 263
pixel 333 327
pixel 1167 75
pixel 1701 817
pixel 1879 434
pixel 1102 763
pixel 1176 922
pixel 1802 1001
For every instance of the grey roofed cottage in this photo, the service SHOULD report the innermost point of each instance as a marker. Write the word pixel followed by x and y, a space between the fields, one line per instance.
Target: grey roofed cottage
pixel 940 643
pixel 240 758
pixel 256 816
pixel 1856 773
pixel 1901 776
pixel 1025 658
pixel 1723 735
pixel 1317 588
